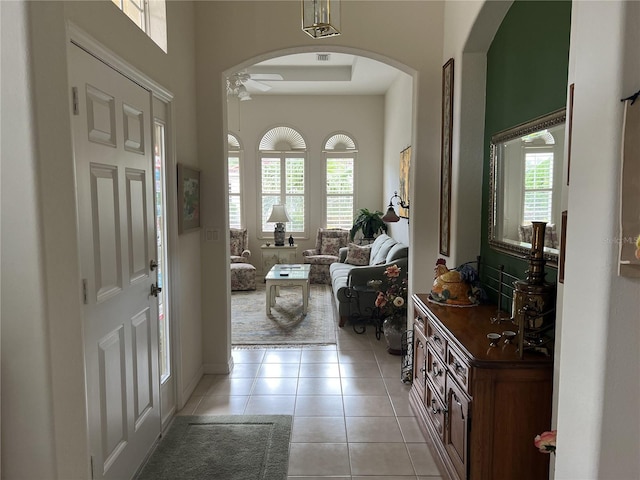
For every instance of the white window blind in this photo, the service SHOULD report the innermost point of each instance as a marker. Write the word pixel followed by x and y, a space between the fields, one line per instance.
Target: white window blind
pixel 339 200
pixel 538 187
pixel 283 181
pixel 235 199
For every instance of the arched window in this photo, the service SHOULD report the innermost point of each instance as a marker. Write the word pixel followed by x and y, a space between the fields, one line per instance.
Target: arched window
pixel 283 154
pixel 340 158
pixel 234 153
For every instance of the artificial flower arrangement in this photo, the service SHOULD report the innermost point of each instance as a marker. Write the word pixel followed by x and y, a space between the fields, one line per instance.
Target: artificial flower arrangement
pixel 546 441
pixel 392 302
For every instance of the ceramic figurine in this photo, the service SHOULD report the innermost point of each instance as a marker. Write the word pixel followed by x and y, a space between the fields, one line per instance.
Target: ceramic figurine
pixel 291 240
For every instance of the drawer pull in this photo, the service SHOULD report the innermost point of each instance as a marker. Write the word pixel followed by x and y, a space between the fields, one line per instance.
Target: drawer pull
pixel 435 410
pixel 457 400
pixel 459 369
pixel 437 339
pixel 436 372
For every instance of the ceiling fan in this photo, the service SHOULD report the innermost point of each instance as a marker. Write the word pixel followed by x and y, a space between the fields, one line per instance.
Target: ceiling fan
pixel 238 82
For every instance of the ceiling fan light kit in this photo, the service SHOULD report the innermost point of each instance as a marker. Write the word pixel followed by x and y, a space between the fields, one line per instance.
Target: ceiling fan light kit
pixel 321 18
pixel 237 83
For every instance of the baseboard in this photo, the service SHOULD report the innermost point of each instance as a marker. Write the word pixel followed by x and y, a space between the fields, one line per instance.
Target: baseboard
pixel 218 368
pixel 188 390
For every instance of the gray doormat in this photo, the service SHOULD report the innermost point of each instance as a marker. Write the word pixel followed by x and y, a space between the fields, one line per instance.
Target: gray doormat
pixel 225 447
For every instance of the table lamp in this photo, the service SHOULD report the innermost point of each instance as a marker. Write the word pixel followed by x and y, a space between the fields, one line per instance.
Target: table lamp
pixel 279 216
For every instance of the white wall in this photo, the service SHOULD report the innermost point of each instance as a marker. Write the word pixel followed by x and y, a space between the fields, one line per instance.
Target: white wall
pixel 315 118
pixel 398 134
pixel 26 384
pixel 598 413
pixel 469 30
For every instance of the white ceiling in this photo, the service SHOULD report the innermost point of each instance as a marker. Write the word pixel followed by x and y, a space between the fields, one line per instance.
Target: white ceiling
pixel 342 74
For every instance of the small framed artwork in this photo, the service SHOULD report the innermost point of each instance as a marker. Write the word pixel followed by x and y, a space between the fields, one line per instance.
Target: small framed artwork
pixel 405 164
pixel 445 160
pixel 188 199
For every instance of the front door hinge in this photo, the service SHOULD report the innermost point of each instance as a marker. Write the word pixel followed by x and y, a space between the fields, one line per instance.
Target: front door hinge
pixel 91 461
pixel 74 95
pixel 84 291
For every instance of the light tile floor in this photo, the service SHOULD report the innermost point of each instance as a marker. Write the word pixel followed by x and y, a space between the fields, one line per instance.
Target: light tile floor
pixel 352 419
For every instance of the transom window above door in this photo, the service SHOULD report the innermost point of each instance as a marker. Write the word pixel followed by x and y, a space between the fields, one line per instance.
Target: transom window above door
pixel 150 16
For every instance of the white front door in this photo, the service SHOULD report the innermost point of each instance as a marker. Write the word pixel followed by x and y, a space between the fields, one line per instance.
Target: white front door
pixel 112 128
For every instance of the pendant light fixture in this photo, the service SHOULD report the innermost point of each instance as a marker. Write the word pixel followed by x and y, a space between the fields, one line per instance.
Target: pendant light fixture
pixel 321 18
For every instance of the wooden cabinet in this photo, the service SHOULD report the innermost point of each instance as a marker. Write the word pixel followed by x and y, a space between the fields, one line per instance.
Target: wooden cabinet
pixel 480 407
pixel 272 255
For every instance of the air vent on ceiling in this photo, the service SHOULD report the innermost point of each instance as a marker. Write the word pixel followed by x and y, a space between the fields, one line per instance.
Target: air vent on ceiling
pixel 322 57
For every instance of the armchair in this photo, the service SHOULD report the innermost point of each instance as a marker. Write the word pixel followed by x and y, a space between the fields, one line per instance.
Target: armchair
pixel 329 241
pixel 239 243
pixel 243 274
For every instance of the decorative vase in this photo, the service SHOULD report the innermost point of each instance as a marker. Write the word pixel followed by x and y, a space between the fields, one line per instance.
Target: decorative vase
pixel 393 329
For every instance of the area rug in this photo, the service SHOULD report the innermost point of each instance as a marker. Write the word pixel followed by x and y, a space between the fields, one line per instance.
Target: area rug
pixel 225 447
pixel 286 324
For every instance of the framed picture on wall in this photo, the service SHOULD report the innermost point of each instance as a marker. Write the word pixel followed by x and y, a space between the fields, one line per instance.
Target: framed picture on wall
pixel 405 164
pixel 445 160
pixel 188 199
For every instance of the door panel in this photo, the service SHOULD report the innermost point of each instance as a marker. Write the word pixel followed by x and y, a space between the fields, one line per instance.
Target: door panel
pixel 113 398
pixel 106 230
pixel 137 215
pixel 114 177
pixel 143 383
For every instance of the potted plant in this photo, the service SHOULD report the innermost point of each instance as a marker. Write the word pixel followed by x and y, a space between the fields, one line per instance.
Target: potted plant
pixel 369 223
pixel 392 306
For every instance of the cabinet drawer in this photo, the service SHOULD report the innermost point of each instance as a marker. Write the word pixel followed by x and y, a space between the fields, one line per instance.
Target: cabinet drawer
pixel 419 361
pixel 436 339
pixel 459 369
pixel 419 320
pixel 435 410
pixel 436 371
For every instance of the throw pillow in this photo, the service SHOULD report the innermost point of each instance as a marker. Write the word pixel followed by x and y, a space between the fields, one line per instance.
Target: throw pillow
pixel 330 246
pixel 357 255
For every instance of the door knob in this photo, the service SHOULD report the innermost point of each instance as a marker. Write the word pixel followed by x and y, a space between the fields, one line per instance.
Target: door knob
pixel 155 290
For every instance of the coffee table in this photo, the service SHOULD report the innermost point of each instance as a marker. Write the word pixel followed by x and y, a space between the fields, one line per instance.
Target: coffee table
pixel 287 275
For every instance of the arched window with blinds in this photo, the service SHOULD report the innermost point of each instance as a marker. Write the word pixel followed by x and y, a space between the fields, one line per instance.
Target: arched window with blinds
pixel 340 162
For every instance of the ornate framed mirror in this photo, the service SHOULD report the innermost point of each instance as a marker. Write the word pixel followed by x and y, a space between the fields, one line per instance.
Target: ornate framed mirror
pixel 525 184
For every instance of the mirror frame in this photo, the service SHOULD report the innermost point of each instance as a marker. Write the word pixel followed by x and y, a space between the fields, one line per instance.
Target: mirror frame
pixel 541 123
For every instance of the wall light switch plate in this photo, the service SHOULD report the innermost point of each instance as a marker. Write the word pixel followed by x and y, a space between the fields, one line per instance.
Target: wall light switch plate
pixel 212 234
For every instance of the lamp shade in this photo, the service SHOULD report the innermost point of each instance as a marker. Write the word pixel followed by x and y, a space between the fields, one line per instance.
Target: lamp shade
pixel 279 214
pixel 390 216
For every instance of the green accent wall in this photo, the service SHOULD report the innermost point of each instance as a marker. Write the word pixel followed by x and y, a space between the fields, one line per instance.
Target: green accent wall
pixel 527 67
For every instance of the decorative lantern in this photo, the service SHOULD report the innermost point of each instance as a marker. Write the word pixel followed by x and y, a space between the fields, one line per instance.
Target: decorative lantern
pixel 321 18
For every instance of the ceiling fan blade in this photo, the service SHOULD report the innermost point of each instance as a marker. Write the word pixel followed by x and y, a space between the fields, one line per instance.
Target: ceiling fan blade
pixel 257 85
pixel 266 76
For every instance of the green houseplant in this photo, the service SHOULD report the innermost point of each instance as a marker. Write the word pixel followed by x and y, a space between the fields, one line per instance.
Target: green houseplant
pixel 369 223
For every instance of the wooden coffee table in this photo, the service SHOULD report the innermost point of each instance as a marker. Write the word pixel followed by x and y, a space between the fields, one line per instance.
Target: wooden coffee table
pixel 287 275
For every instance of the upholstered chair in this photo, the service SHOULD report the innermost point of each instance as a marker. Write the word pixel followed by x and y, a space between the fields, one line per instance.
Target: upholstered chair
pixel 239 243
pixel 329 241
